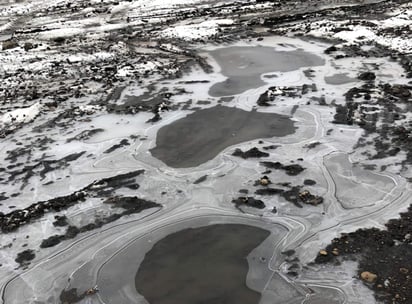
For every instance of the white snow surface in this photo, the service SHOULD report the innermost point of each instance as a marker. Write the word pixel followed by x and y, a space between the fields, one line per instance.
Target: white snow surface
pixel 201 30
pixel 22 115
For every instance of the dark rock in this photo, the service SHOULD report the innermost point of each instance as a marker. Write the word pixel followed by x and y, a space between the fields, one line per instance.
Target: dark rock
pixel 12 221
pixel 200 179
pixel 9 44
pixel 123 142
pixel 309 182
pixel 60 221
pixel 269 191
pixel 312 145
pixel 330 49
pixel 25 256
pixel 248 201
pixel 292 170
pixel 28 46
pixel 51 241
pixel 309 198
pixel 254 152
pixel 367 76
pixel 72 232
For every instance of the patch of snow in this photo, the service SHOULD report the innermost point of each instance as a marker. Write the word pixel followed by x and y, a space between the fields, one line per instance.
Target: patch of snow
pixel 23 115
pixel 63 32
pixel 356 33
pixel 88 109
pixel 189 32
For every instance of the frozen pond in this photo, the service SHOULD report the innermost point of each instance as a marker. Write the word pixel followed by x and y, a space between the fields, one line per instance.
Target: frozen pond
pixel 200 136
pixel 243 66
pixel 201 265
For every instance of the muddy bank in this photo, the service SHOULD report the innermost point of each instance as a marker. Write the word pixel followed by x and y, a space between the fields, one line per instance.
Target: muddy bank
pixel 201 265
pixel 202 135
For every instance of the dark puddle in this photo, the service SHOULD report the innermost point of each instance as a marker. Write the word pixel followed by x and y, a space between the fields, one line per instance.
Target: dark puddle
pixel 202 265
pixel 244 66
pixel 200 136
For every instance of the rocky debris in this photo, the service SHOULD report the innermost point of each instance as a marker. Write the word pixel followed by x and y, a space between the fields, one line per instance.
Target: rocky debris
pixel 252 153
pixel 51 241
pixel 60 221
pixel 330 50
pixel 92 291
pixel 272 93
pixel 24 257
pixel 248 201
pixel 9 44
pixel 312 145
pixel 85 135
pixel 130 205
pixel 384 256
pixel 397 90
pixel 293 194
pixel 380 110
pixel 292 170
pixel 40 167
pixel 367 76
pixel 270 147
pixel 308 198
pixel 151 101
pixel 101 188
pixel 269 191
pixel 124 142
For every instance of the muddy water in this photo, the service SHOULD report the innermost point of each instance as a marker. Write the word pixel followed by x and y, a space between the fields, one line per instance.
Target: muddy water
pixel 244 66
pixel 202 265
pixel 202 135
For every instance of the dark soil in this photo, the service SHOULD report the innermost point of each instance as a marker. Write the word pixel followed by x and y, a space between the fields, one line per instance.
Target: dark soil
pixel 386 253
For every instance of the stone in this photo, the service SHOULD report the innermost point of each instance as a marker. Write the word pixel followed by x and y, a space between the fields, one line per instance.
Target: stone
pixel 367 76
pixel 264 181
pixel 368 277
